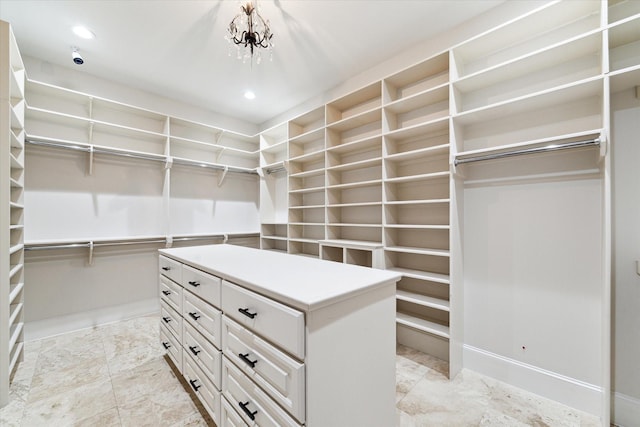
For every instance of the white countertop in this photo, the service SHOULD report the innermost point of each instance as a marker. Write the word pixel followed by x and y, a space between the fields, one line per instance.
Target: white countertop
pixel 301 282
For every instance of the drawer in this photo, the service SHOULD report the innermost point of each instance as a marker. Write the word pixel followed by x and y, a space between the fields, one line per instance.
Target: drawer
pixel 208 358
pixel 170 268
pixel 253 405
pixel 203 388
pixel 171 345
pixel 279 375
pixel 281 325
pixel 171 319
pixel 202 316
pixel 229 416
pixel 205 285
pixel 171 292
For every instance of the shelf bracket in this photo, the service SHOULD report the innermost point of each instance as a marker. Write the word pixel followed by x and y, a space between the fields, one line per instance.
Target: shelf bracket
pixel 168 163
pixel 91 252
pixel 218 138
pixel 220 153
pixel 223 176
pixel 91 151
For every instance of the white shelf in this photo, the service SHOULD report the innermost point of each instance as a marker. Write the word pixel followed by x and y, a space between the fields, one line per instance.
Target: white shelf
pixel 15 205
pixel 16 248
pixel 308 157
pixel 355 204
pixel 356 165
pixel 15 291
pixel 307 174
pixel 353 244
pixel 307 137
pixel 279 147
pixel 435 175
pixel 307 207
pixel 624 79
pixel 418 202
pixel 15 356
pixel 415 298
pixel 418 251
pixel 423 325
pixel 432 96
pixel 355 184
pixel 15 312
pixel 418 226
pixel 422 275
pixel 17 329
pixel 313 224
pixel 307 190
pixel 407 155
pixel 361 144
pixel 341 224
pixel 303 240
pixel 16 227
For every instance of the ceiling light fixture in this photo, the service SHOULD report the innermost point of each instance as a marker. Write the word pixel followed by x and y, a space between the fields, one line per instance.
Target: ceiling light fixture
pixel 250 31
pixel 249 95
pixel 83 32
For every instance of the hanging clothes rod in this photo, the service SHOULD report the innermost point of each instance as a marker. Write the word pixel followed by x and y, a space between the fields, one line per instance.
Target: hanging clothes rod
pixel 69 146
pixel 214 166
pixel 134 241
pixel 548 148
pixel 153 157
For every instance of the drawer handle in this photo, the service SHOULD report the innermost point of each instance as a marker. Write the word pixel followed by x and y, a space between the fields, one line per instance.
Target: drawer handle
pixel 193 384
pixel 250 414
pixel 245 359
pixel 195 316
pixel 167 293
pixel 194 351
pixel 166 319
pixel 166 345
pixel 166 268
pixel 194 283
pixel 246 312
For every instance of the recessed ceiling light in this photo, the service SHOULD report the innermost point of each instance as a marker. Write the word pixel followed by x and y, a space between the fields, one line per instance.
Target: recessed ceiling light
pixel 249 95
pixel 83 32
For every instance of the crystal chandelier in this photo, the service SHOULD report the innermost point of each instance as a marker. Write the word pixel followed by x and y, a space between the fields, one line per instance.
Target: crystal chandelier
pixel 250 32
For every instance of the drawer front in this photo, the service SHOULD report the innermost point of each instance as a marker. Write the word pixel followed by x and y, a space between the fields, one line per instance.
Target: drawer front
pixel 253 405
pixel 278 374
pixel 230 417
pixel 171 292
pixel 205 285
pixel 281 325
pixel 170 268
pixel 171 345
pixel 202 316
pixel 171 319
pixel 208 358
pixel 203 388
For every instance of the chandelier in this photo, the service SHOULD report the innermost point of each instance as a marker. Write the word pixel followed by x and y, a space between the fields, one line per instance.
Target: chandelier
pixel 250 33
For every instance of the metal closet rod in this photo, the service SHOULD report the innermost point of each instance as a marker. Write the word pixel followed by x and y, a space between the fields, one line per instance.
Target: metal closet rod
pixel 275 170
pixel 134 241
pixel 547 148
pixel 156 158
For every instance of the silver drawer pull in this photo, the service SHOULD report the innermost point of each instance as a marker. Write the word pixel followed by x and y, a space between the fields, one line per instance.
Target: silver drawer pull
pixel 250 414
pixel 245 359
pixel 247 313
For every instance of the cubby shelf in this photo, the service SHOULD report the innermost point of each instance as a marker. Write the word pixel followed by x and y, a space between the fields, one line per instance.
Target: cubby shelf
pixel 423 325
pixel 424 300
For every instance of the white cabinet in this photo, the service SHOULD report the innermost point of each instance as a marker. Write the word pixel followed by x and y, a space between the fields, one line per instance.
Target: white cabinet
pixel 284 335
pixel 12 76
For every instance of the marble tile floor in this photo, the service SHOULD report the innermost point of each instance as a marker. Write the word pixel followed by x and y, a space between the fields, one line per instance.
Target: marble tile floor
pixel 116 375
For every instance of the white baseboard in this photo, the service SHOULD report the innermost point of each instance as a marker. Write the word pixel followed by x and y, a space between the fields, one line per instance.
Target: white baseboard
pixel 626 410
pixel 59 325
pixel 566 390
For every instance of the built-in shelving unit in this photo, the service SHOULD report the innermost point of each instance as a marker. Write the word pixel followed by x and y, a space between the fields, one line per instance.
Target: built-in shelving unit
pixel 12 209
pixel 385 168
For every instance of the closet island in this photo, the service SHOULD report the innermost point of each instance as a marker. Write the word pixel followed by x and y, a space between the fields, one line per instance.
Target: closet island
pixel 275 339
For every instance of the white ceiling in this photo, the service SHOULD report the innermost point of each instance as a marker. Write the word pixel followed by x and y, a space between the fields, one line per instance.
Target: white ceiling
pixel 176 48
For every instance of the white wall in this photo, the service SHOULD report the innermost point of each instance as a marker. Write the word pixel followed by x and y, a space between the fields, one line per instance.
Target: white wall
pixel 625 127
pixel 533 285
